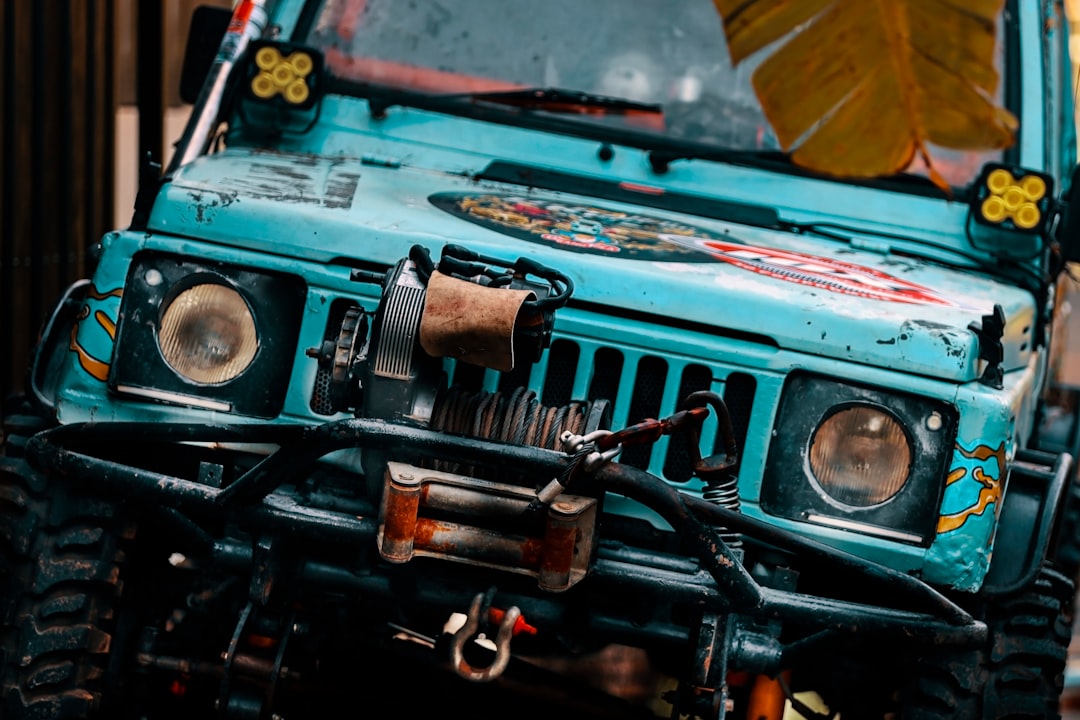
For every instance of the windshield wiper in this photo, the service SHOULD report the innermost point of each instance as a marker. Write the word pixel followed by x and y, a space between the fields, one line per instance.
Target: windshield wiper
pixel 661 158
pixel 552 99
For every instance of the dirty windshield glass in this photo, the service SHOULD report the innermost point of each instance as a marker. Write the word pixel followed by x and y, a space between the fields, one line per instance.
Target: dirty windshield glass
pixel 665 52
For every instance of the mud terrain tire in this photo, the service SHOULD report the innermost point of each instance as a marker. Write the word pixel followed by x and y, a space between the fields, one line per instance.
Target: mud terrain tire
pixel 1019 673
pixel 59 587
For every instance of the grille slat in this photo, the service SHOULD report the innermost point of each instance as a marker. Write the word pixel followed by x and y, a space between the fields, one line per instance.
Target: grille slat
pixel 563 359
pixel 676 462
pixel 645 403
pixel 643 387
pixel 606 370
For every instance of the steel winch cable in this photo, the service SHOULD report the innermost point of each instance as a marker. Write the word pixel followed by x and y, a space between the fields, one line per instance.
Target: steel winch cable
pixel 516 417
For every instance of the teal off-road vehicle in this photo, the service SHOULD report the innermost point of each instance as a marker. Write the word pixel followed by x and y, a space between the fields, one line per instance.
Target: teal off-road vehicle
pixel 496 359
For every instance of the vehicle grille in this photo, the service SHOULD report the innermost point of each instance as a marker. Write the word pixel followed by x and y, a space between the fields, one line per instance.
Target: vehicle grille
pixel 639 386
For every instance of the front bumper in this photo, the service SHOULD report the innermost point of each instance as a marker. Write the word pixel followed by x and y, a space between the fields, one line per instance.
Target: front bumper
pixel 710 577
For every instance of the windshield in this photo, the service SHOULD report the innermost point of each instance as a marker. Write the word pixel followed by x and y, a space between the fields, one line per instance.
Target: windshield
pixel 670 53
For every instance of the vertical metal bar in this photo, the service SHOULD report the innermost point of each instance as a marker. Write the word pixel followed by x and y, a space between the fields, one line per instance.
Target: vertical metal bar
pixel 7 185
pixel 78 94
pixel 149 94
pixel 100 179
pixel 56 265
pixel 41 187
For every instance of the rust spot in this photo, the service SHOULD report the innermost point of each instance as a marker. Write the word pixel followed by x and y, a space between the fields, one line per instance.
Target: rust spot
pixel 532 552
pixel 400 516
pixel 433 534
pixel 558 549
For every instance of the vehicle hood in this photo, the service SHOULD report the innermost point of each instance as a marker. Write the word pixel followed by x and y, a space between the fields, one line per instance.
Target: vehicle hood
pixel 800 293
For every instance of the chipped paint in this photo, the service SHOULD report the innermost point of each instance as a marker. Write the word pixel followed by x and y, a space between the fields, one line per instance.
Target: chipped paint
pixel 954 341
pixel 207 202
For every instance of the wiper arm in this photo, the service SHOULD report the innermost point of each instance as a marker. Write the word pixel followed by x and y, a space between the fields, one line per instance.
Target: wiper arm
pixel 558 100
pixel 661 158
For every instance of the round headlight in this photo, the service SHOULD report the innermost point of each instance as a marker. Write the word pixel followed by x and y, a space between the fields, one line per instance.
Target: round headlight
pixel 860 456
pixel 207 334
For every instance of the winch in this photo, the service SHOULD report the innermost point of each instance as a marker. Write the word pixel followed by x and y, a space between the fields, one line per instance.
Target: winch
pixel 482 314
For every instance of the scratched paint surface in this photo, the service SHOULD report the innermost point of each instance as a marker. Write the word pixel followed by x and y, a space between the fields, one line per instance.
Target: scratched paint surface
pixel 279 178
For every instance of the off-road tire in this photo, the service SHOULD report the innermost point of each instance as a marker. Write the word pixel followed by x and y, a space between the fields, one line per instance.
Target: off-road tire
pixel 61 554
pixel 1018 673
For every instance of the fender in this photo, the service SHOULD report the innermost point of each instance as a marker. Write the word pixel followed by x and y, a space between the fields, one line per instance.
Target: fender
pixel 51 348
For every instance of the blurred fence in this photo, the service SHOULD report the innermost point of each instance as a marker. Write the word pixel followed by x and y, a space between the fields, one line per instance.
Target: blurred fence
pixel 56 148
pixel 66 68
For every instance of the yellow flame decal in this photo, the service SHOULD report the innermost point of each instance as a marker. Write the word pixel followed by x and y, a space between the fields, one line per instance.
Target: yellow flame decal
pixel 94 294
pixel 96 368
pixel 106 323
pixel 955 475
pixel 989 493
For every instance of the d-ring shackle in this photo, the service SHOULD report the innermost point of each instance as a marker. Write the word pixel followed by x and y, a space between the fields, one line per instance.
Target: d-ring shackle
pixel 468 632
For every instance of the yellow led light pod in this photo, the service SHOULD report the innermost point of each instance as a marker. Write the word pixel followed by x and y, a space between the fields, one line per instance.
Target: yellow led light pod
pixel 994 210
pixel 1026 216
pixel 283 74
pixel 1034 187
pixel 1011 198
pixel 297 91
pixel 998 181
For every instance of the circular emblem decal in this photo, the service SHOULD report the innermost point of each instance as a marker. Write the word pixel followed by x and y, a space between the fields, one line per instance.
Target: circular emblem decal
pixel 580 227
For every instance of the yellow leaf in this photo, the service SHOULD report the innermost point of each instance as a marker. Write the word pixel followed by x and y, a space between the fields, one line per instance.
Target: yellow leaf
pixel 856 88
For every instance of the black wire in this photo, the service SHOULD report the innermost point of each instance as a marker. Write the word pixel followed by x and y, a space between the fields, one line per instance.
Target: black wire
pixel 422 260
pixel 818 229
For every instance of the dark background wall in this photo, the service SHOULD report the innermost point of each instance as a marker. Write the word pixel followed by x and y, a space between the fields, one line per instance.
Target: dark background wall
pixel 66 68
pixel 56 146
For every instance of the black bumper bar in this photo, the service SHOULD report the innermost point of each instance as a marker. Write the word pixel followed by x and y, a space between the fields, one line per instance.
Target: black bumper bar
pixel 717 580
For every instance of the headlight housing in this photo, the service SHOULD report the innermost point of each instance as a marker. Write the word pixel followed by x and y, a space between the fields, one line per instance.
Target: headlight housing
pixel 859 458
pixel 219 337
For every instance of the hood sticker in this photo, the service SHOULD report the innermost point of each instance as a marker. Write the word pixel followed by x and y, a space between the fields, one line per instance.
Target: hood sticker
pixel 572 226
pixel 602 231
pixel 819 272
